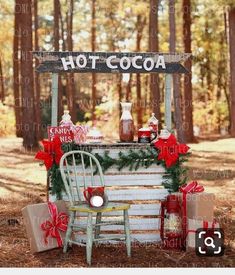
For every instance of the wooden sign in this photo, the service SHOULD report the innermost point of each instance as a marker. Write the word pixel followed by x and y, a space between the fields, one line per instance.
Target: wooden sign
pixel 101 62
pixel 65 134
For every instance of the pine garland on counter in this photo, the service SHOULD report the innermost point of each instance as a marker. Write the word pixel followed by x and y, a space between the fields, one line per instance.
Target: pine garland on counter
pixel 175 176
pixel 168 153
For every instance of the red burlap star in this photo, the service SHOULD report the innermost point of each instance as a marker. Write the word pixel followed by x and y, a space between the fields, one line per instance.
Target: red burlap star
pixel 52 152
pixel 170 149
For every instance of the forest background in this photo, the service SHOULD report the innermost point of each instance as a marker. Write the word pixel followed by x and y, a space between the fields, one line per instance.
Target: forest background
pixel 203 102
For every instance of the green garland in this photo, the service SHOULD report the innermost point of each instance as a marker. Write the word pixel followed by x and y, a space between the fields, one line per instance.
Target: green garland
pixel 174 177
pixel 56 186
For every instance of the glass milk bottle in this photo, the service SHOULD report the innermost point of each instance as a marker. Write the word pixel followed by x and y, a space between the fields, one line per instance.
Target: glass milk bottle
pixel 126 126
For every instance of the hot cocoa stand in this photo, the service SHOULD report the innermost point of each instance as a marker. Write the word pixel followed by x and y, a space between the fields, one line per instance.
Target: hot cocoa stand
pixel 139 183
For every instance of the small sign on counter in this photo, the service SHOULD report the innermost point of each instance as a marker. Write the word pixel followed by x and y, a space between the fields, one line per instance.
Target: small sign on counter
pixel 64 132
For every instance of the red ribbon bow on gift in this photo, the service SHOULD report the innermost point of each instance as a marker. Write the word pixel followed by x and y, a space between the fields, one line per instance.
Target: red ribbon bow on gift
pixel 57 222
pixel 192 187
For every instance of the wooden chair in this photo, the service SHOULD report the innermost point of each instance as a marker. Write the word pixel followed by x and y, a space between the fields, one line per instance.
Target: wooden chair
pixel 73 175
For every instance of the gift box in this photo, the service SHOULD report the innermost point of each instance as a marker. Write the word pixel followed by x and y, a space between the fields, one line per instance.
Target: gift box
pixel 46 225
pixel 192 226
pixel 200 206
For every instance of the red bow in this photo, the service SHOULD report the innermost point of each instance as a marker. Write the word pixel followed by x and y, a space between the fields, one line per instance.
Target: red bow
pixel 52 152
pixel 170 150
pixel 192 187
pixel 57 222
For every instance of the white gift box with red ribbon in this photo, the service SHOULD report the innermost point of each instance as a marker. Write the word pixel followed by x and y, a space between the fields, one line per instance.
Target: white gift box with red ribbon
pixel 192 226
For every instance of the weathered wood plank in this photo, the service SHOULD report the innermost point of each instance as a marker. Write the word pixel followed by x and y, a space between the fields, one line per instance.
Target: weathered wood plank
pixel 134 194
pixel 138 194
pixel 56 55
pixel 143 238
pixel 135 210
pixel 155 169
pixel 57 67
pixel 135 224
pixel 124 180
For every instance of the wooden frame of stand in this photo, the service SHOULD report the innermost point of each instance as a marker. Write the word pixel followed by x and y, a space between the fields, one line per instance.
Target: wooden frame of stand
pixel 142 187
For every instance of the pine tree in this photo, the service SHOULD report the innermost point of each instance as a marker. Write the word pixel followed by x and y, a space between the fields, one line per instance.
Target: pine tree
pixel 176 77
pixel 28 115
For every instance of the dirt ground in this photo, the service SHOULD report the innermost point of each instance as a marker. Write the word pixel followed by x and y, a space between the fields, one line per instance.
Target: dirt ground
pixel 22 182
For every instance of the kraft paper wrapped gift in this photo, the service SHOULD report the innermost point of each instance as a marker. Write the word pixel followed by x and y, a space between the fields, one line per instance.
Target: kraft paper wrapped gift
pixel 36 214
pixel 193 225
pixel 200 206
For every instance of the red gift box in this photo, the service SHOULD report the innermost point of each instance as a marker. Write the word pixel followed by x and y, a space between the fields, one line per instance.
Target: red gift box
pixel 46 225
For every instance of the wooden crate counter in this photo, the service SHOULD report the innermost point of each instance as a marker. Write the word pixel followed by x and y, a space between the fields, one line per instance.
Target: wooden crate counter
pixel 141 188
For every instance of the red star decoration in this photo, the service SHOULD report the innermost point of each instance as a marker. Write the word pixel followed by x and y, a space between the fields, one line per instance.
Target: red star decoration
pixel 170 149
pixel 52 152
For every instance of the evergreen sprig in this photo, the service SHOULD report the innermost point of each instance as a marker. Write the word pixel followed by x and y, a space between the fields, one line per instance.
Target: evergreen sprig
pixel 176 175
pixel 56 182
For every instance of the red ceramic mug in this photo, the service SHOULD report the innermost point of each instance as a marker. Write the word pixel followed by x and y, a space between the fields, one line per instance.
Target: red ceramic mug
pixel 144 135
pixel 95 196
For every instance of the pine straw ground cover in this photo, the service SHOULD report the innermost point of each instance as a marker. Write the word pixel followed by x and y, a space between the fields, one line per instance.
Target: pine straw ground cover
pixel 22 182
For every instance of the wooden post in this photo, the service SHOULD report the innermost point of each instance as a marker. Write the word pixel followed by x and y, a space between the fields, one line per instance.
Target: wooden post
pixel 54 102
pixel 168 85
pixel 54 112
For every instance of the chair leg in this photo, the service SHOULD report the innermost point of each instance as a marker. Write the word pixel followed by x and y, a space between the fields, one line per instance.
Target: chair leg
pixel 97 228
pixel 69 230
pixel 89 238
pixel 127 232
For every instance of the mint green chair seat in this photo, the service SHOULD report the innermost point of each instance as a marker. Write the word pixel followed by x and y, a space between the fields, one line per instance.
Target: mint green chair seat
pixel 73 174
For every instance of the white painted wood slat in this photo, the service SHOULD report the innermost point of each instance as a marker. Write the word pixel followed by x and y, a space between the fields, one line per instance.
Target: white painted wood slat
pixel 125 180
pixel 133 194
pixel 157 169
pixel 136 194
pixel 143 238
pixel 135 210
pixel 135 224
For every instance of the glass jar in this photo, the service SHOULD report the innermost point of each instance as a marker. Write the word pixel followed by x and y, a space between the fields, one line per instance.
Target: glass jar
pixel 126 126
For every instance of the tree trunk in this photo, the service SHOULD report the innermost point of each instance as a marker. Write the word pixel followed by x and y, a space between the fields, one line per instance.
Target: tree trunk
pixel 188 123
pixel 93 48
pixel 62 30
pixel 139 26
pixel 56 45
pixel 16 71
pixel 231 19
pixel 56 29
pixel 28 115
pixel 176 77
pixel 36 76
pixel 153 47
pixel 2 94
pixel 70 76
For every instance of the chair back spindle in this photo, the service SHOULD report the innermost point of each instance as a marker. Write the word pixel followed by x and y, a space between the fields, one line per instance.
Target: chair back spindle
pixel 74 173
